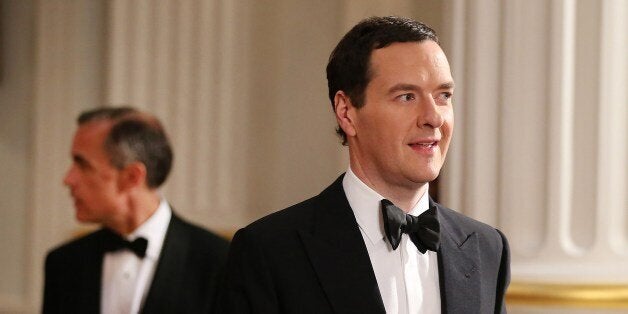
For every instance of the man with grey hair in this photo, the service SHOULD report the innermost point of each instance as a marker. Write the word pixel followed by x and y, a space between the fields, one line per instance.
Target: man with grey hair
pixel 145 258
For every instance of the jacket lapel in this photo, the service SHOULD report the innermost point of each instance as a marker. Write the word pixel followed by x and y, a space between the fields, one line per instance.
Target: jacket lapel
pixel 339 257
pixel 458 266
pixel 91 277
pixel 166 276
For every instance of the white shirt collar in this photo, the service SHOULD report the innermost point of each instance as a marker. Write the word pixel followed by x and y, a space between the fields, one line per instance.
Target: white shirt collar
pixel 154 229
pixel 366 206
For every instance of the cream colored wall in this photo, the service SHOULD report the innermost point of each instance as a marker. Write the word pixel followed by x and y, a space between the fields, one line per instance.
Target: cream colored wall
pixel 542 155
pixel 241 84
pixel 241 87
pixel 16 75
pixel 252 114
pixel 541 142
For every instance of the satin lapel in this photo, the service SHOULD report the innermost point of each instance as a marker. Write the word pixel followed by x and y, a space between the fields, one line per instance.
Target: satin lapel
pixel 165 282
pixel 92 273
pixel 458 267
pixel 339 257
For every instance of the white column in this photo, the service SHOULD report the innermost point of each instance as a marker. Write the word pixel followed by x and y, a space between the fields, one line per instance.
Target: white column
pixel 68 79
pixel 176 59
pixel 612 189
pixel 228 81
pixel 540 146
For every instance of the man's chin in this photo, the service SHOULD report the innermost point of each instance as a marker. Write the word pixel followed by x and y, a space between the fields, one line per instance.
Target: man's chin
pixel 426 170
pixel 423 177
pixel 82 217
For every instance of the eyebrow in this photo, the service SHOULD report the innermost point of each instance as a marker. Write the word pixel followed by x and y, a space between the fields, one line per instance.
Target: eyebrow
pixel 447 85
pixel 403 87
pixel 79 159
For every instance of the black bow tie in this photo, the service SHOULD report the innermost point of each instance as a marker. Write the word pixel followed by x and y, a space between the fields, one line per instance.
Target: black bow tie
pixel 114 242
pixel 423 230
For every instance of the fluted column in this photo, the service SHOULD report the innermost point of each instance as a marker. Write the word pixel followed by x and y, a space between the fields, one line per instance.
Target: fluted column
pixel 68 79
pixel 540 146
pixel 176 59
pixel 244 106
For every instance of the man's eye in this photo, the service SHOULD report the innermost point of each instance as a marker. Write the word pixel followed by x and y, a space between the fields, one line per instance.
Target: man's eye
pixel 406 97
pixel 445 96
pixel 81 163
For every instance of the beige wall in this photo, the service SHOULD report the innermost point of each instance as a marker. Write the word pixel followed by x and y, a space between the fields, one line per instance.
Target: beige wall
pixel 245 103
pixel 241 87
pixel 16 86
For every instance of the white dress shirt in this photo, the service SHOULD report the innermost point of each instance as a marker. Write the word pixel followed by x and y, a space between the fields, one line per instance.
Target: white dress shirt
pixel 125 277
pixel 407 279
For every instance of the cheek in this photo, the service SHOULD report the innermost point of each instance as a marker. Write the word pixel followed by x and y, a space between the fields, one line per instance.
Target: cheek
pixel 370 127
pixel 447 130
pixel 448 126
pixel 108 179
pixel 96 186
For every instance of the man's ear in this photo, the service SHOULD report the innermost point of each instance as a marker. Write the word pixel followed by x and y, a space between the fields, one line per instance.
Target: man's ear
pixel 345 113
pixel 132 175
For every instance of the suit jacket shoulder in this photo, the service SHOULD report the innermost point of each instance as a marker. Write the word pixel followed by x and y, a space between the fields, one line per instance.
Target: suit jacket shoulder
pixel 206 242
pixel 295 217
pixel 72 276
pixel 188 270
pixel 85 242
pixel 311 258
pixel 185 278
pixel 307 258
pixel 460 225
pixel 474 264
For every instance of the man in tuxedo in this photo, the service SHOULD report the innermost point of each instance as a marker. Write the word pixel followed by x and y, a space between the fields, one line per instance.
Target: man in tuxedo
pixel 145 258
pixel 374 241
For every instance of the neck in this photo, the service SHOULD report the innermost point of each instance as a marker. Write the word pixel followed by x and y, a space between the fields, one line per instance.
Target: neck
pixel 139 209
pixel 404 196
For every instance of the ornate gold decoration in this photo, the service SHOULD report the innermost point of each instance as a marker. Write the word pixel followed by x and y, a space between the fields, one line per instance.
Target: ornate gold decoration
pixel 568 295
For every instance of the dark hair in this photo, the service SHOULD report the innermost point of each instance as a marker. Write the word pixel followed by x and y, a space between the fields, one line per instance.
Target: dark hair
pixel 135 136
pixel 349 63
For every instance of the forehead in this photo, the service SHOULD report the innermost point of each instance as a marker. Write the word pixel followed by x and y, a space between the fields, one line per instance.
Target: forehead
pixel 424 60
pixel 90 136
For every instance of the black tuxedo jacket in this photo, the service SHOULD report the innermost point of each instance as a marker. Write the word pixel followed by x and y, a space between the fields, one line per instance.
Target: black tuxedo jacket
pixel 311 258
pixel 184 282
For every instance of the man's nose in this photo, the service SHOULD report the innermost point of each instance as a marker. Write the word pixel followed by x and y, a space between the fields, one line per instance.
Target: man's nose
pixel 69 177
pixel 429 114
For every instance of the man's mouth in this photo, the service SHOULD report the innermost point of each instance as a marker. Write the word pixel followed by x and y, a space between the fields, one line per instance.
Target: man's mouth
pixel 426 145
